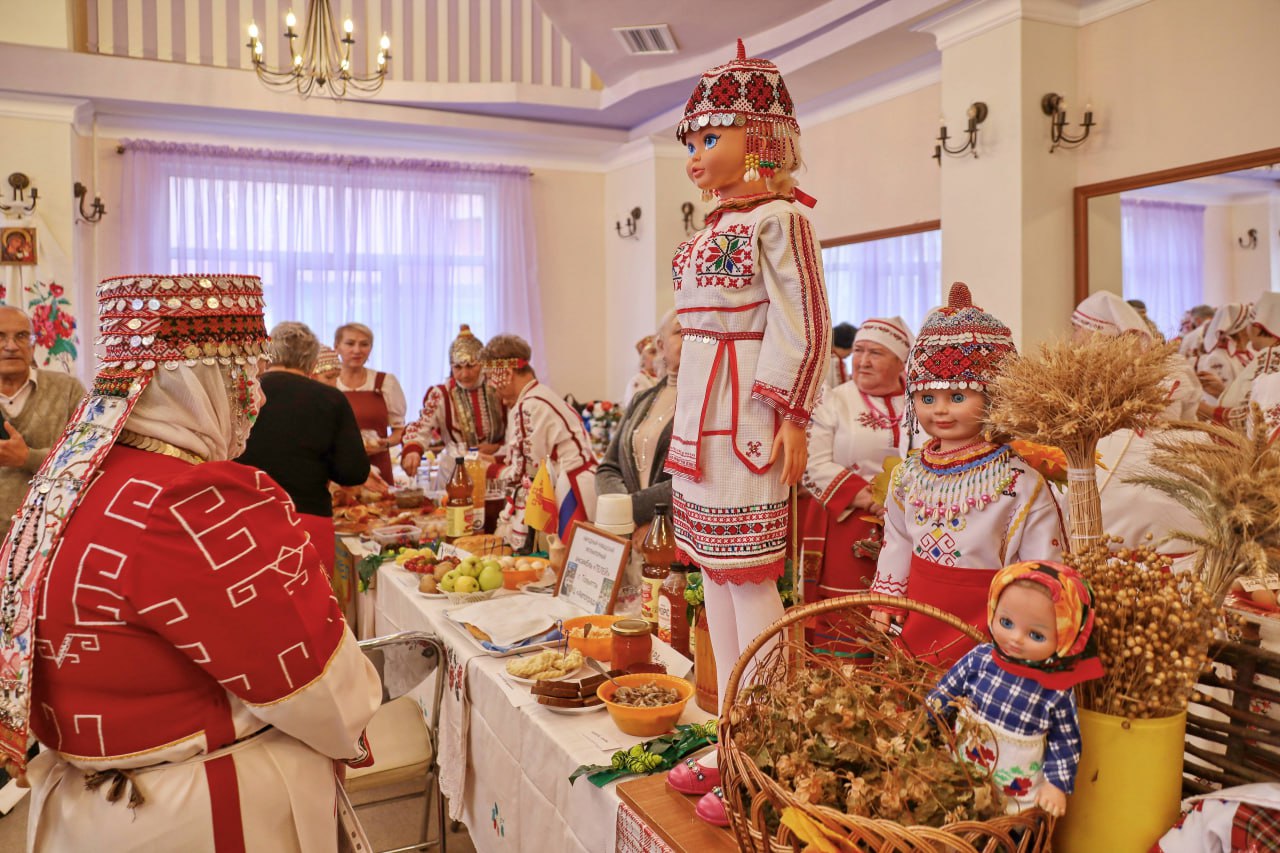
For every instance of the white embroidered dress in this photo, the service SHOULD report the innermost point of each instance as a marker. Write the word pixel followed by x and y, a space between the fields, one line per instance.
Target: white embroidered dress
pixel 757 335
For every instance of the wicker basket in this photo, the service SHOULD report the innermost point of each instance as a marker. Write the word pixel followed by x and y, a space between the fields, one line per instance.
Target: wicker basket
pixel 1239 694
pixel 751 796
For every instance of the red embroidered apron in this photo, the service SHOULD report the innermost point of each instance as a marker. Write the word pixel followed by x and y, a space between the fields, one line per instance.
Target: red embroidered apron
pixel 829 544
pixel 370 408
pixel 959 591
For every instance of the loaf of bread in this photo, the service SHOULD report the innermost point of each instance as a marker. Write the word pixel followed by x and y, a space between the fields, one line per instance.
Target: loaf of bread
pixel 483 545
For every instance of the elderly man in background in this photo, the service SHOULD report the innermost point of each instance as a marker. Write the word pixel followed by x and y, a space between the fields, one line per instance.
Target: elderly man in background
pixel 36 404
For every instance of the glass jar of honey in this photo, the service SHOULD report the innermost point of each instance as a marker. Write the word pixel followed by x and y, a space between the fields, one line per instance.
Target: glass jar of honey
pixel 632 643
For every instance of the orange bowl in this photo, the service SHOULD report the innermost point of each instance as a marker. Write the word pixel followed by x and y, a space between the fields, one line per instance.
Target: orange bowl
pixel 646 722
pixel 599 643
pixel 512 578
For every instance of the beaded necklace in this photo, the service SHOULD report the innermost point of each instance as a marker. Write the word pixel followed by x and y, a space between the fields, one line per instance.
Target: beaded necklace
pixel 949 484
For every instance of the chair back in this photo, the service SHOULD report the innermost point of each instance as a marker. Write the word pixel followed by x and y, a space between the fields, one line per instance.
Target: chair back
pixel 409 658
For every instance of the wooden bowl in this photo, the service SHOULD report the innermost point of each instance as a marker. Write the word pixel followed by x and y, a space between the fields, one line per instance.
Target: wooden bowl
pixel 646 722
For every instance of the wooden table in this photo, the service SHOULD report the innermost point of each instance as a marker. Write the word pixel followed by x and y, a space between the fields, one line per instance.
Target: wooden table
pixel 671 815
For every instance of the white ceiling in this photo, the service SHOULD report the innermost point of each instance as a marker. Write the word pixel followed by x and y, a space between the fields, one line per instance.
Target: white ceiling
pixel 1249 185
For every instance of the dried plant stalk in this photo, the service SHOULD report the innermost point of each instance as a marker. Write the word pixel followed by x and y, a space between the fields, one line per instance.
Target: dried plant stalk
pixel 1230 482
pixel 1068 395
pixel 1153 630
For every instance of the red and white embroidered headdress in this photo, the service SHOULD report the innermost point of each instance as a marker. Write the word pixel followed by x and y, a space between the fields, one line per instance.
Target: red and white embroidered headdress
pixel 747 92
pixel 148 323
pixel 892 333
pixel 959 346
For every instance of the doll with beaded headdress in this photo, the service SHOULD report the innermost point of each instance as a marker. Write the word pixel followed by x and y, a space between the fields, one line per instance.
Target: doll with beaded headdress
pixel 964 506
pixel 757 335
pixel 1019 687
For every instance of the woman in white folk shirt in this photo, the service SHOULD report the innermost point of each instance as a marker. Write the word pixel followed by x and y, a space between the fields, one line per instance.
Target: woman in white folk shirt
pixel 1136 513
pixel 854 430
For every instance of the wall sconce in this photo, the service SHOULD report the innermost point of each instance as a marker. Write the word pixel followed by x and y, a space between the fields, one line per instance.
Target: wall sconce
pixel 81 192
pixel 19 182
pixel 977 115
pixel 629 230
pixel 1250 239
pixel 691 227
pixel 1054 106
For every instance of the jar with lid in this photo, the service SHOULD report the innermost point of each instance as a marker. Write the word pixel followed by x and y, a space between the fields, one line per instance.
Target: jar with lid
pixel 632 643
pixel 659 549
pixel 673 610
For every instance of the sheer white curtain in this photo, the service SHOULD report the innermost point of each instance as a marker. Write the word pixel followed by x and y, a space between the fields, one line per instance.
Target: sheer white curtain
pixel 898 276
pixel 410 248
pixel 1162 256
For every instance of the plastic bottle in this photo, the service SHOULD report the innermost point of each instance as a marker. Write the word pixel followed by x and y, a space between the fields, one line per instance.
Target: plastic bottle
pixel 673 610
pixel 458 509
pixel 658 549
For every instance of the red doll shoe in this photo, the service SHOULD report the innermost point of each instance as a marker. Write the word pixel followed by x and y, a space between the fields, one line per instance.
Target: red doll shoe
pixel 711 808
pixel 690 777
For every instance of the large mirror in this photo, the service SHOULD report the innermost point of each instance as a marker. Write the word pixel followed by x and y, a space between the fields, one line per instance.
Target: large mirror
pixel 1208 233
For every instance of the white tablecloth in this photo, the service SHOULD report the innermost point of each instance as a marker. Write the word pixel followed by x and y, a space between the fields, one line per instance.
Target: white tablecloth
pixel 505 760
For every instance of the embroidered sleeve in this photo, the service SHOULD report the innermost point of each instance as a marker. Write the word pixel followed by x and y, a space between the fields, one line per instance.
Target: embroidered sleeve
pixel 397 406
pixel 1062 742
pixel 823 476
pixel 225 573
pixel 428 429
pixel 1266 396
pixel 1037 531
pixel 797 334
pixel 893 566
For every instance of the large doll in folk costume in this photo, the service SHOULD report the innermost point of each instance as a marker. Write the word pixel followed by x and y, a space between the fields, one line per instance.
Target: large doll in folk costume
pixel 964 506
pixel 757 335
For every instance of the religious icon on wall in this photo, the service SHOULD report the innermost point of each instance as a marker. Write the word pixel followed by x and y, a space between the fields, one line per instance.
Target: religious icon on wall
pixel 18 246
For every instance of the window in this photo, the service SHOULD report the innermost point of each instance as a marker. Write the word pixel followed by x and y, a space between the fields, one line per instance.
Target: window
pixel 413 249
pixel 1162 255
pixel 892 277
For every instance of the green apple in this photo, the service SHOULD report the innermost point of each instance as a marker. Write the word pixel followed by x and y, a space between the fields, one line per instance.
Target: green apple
pixel 449 580
pixel 466 583
pixel 490 577
pixel 471 570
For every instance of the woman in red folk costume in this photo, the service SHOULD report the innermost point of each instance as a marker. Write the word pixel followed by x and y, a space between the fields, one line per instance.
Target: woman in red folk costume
pixel 166 627
pixel 757 335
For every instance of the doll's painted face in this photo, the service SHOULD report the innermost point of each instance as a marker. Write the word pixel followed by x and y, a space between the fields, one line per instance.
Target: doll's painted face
pixel 951 415
pixel 1024 625
pixel 717 160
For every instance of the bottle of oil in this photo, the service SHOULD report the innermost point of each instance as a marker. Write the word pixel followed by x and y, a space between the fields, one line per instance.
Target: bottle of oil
pixel 458 506
pixel 659 550
pixel 476 470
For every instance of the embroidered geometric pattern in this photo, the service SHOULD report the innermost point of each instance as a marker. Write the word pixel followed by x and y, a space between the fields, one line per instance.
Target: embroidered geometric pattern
pixel 725 258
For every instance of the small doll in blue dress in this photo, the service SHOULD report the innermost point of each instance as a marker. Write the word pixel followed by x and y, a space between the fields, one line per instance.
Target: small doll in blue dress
pixel 1020 686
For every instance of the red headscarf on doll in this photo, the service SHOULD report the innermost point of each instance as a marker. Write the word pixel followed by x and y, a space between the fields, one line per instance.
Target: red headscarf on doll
pixel 1075 658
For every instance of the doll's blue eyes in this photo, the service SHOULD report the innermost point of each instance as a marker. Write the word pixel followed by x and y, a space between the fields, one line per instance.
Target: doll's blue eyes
pixel 690 147
pixel 710 141
pixel 927 399
pixel 958 398
pixel 1006 623
pixel 1037 636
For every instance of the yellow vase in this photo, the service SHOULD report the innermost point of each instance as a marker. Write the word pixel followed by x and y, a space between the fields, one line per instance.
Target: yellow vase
pixel 1128 785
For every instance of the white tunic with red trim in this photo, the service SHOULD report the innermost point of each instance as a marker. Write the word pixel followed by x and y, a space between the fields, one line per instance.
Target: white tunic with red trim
pixel 757 336
pixel 1226 361
pixel 542 426
pixel 184 615
pixel 443 421
pixel 850 437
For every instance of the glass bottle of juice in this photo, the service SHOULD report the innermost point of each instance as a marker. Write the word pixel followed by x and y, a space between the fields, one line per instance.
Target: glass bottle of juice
pixel 458 508
pixel 658 550
pixel 673 610
pixel 476 470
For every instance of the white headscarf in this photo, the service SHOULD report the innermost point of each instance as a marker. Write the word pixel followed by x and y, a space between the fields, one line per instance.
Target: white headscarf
pixel 1266 313
pixel 194 408
pixel 1228 320
pixel 1106 313
pixel 892 333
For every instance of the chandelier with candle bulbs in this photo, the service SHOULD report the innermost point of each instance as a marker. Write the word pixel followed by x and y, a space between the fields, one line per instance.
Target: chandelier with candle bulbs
pixel 322 63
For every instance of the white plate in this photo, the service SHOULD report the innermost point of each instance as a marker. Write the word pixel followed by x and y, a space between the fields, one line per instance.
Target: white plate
pixel 573 712
pixel 433 594
pixel 569 676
